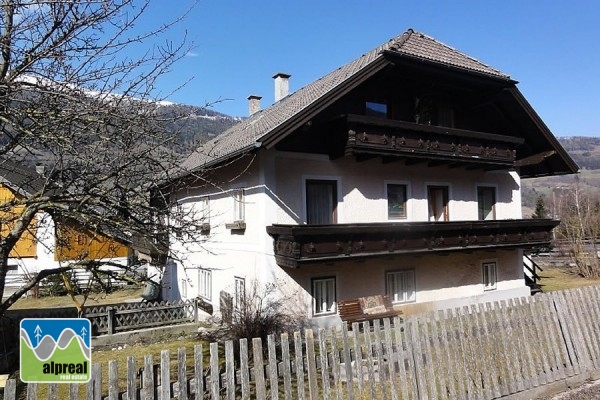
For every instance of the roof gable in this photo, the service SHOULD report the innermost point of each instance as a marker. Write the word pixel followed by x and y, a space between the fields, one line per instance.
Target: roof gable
pixel 250 132
pixel 269 126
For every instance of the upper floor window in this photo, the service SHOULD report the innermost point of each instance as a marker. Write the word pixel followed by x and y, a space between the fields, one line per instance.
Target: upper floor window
pixel 205 209
pixel 486 202
pixel 376 109
pixel 396 201
pixel 238 204
pixel 438 203
pixel 321 202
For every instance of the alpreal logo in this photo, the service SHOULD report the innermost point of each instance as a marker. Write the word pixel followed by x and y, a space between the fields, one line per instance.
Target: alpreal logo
pixel 56 350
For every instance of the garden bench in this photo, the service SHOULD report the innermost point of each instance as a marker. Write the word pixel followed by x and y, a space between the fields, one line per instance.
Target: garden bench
pixel 366 309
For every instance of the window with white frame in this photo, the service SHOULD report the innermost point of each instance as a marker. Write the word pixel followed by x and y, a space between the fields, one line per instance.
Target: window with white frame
pixel 323 292
pixel 400 286
pixel 239 294
pixel 184 286
pixel 489 272
pixel 205 209
pixel 205 283
pixel 238 204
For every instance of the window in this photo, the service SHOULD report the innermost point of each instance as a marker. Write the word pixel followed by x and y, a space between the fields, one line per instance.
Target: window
pixel 400 286
pixel 321 202
pixel 438 203
pixel 323 292
pixel 376 109
pixel 205 209
pixel 396 198
pixel 488 269
pixel 486 202
pixel 238 205
pixel 205 283
pixel 184 288
pixel 239 292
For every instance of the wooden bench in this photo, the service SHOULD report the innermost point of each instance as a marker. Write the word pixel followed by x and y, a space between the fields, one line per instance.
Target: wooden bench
pixel 366 309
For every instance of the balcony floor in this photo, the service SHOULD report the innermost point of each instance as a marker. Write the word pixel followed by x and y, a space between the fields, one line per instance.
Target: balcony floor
pixel 295 245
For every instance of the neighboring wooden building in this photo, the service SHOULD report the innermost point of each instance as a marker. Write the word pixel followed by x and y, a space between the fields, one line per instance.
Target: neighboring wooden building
pixel 47 244
pixel 398 173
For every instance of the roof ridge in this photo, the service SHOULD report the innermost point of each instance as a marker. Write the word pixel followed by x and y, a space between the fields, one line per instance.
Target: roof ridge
pixel 410 44
pixel 455 50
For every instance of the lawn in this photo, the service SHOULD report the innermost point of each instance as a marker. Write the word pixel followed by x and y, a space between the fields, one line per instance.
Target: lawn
pixel 94 299
pixel 555 278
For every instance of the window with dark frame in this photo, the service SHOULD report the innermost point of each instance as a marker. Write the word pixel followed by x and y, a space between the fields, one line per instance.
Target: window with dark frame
pixel 324 295
pixel 376 109
pixel 321 202
pixel 396 199
pixel 486 203
pixel 438 203
pixel 239 292
pixel 489 272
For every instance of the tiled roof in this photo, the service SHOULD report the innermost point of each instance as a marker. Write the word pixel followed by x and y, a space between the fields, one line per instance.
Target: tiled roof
pixel 20 178
pixel 252 130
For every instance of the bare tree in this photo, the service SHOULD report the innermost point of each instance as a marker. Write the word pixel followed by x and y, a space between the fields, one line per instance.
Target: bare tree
pixel 73 98
pixel 579 213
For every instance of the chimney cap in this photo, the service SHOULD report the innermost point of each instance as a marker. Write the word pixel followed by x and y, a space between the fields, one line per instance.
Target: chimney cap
pixel 254 96
pixel 281 75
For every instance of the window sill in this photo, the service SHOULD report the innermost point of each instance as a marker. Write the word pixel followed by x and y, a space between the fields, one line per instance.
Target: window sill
pixel 324 314
pixel 236 226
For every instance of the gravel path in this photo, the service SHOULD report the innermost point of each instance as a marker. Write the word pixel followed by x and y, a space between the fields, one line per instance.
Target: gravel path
pixel 587 391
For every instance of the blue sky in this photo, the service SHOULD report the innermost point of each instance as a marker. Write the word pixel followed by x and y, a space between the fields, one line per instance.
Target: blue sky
pixel 551 47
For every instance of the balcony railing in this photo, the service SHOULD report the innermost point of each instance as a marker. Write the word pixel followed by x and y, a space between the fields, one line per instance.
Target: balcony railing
pixel 295 245
pixel 401 139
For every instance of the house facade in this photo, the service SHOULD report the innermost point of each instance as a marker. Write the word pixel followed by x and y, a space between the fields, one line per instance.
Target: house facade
pixel 399 173
pixel 46 243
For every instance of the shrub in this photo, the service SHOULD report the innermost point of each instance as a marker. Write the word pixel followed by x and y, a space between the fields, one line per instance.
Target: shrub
pixel 257 313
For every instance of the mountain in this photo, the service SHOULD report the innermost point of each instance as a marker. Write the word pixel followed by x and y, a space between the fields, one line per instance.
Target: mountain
pixel 585 151
pixel 193 125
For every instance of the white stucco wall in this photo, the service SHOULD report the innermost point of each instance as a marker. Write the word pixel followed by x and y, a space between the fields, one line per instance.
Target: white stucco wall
pixel 275 182
pixel 441 281
pixel 361 186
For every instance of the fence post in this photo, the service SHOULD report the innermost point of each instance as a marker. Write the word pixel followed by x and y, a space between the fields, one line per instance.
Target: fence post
pixel 110 312
pixel 196 310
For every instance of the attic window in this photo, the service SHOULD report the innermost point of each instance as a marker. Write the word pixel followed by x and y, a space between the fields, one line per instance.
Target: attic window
pixel 376 109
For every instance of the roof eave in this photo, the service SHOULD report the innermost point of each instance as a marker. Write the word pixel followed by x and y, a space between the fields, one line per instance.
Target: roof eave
pixel 570 164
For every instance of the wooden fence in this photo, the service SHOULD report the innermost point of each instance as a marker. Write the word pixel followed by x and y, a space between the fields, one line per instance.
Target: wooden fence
pixel 133 316
pixel 479 352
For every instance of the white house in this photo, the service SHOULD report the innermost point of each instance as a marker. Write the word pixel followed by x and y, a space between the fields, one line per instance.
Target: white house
pixel 398 173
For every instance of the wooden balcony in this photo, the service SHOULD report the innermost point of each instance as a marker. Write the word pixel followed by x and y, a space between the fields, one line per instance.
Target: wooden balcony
pixel 295 245
pixel 392 139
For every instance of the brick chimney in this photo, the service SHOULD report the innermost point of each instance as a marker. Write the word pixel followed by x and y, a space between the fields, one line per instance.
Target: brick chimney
pixel 253 104
pixel 282 85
